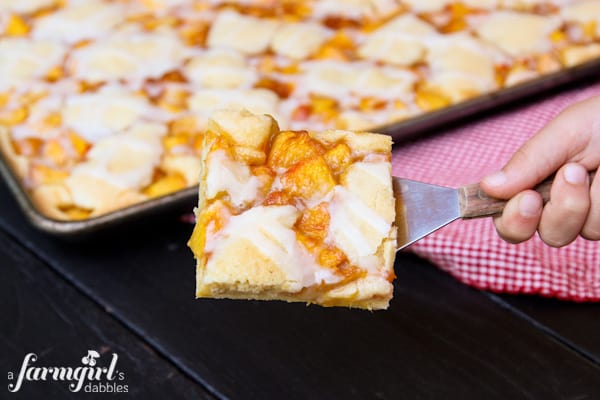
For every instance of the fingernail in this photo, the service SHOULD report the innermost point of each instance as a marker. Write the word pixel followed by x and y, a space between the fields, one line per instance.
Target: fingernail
pixel 529 205
pixel 495 179
pixel 575 174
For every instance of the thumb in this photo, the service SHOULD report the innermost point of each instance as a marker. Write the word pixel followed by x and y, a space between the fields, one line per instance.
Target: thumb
pixel 542 155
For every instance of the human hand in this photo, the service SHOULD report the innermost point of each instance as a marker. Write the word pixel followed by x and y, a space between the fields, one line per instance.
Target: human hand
pixel 570 146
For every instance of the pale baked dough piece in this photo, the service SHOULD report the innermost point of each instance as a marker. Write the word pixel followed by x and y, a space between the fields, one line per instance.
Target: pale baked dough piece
pixel 431 6
pixel 20 6
pixel 520 4
pixel 108 180
pixel 50 199
pixel 518 34
pixel 461 66
pixel 55 199
pixel 341 80
pixel 269 230
pixel 354 9
pixel 86 20
pixel 220 68
pixel 582 11
pixel 299 40
pixel 361 143
pixel 574 55
pixel 206 101
pixel 400 41
pixel 185 165
pixel 99 115
pixel 518 75
pixel 130 55
pixel 101 184
pixel 126 160
pixel 482 4
pixel 353 120
pixel 29 60
pixel 115 169
pixel 163 4
pixel 246 34
pixel 246 129
pixel 98 195
pixel 420 6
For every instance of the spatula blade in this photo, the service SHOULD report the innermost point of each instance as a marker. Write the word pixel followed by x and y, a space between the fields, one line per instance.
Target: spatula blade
pixel 422 208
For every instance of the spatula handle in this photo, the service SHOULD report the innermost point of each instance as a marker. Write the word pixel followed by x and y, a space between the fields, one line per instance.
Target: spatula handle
pixel 474 203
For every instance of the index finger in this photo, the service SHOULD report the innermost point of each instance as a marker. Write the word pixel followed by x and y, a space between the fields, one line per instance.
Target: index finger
pixel 562 140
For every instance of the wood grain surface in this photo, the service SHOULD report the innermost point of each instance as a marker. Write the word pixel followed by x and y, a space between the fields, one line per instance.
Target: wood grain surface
pixel 42 314
pixel 577 325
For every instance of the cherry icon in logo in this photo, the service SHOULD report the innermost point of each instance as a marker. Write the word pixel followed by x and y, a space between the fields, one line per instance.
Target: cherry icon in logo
pixel 90 359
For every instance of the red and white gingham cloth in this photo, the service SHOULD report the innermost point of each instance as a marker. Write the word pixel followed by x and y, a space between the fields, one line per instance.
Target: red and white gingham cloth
pixel 471 250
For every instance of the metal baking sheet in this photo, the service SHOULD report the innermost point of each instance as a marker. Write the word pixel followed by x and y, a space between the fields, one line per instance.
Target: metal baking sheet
pixel 184 200
pixel 180 201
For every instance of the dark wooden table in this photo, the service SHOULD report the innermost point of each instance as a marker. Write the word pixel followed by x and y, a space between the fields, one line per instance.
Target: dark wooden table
pixel 133 294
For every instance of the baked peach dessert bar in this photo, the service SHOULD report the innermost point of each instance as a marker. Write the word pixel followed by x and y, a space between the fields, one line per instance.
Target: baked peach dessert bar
pixel 294 215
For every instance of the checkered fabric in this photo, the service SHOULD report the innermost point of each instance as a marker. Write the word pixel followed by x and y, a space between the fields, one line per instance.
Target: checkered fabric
pixel 471 250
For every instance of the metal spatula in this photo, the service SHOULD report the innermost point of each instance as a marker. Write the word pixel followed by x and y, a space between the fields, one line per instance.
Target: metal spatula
pixel 422 208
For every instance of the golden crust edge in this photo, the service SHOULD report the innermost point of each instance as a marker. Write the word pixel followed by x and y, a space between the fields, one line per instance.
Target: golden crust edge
pixel 20 168
pixel 19 164
pixel 359 141
pixel 370 292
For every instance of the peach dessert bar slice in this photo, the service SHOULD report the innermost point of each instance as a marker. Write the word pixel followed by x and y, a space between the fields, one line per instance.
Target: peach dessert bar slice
pixel 294 215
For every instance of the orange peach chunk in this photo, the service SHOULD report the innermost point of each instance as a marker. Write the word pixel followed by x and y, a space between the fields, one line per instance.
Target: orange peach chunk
pixel 165 185
pixel 16 26
pixel 339 157
pixel 54 151
pixel 29 147
pixel 55 73
pixel 172 141
pixel 194 33
pixel 314 222
pixel 308 179
pixel 80 145
pixel 291 147
pixel 212 219
pixel 278 198
pixel 184 125
pixel 76 213
pixel 331 257
pixel 13 117
pixel 430 100
pixel 41 175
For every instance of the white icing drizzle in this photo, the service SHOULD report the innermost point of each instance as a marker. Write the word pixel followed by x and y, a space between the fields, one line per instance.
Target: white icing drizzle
pixel 98 115
pixel 346 212
pixel 87 20
pixel 23 60
pixel 22 6
pixel 232 177
pixel 131 55
pixel 270 230
pixel 126 160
